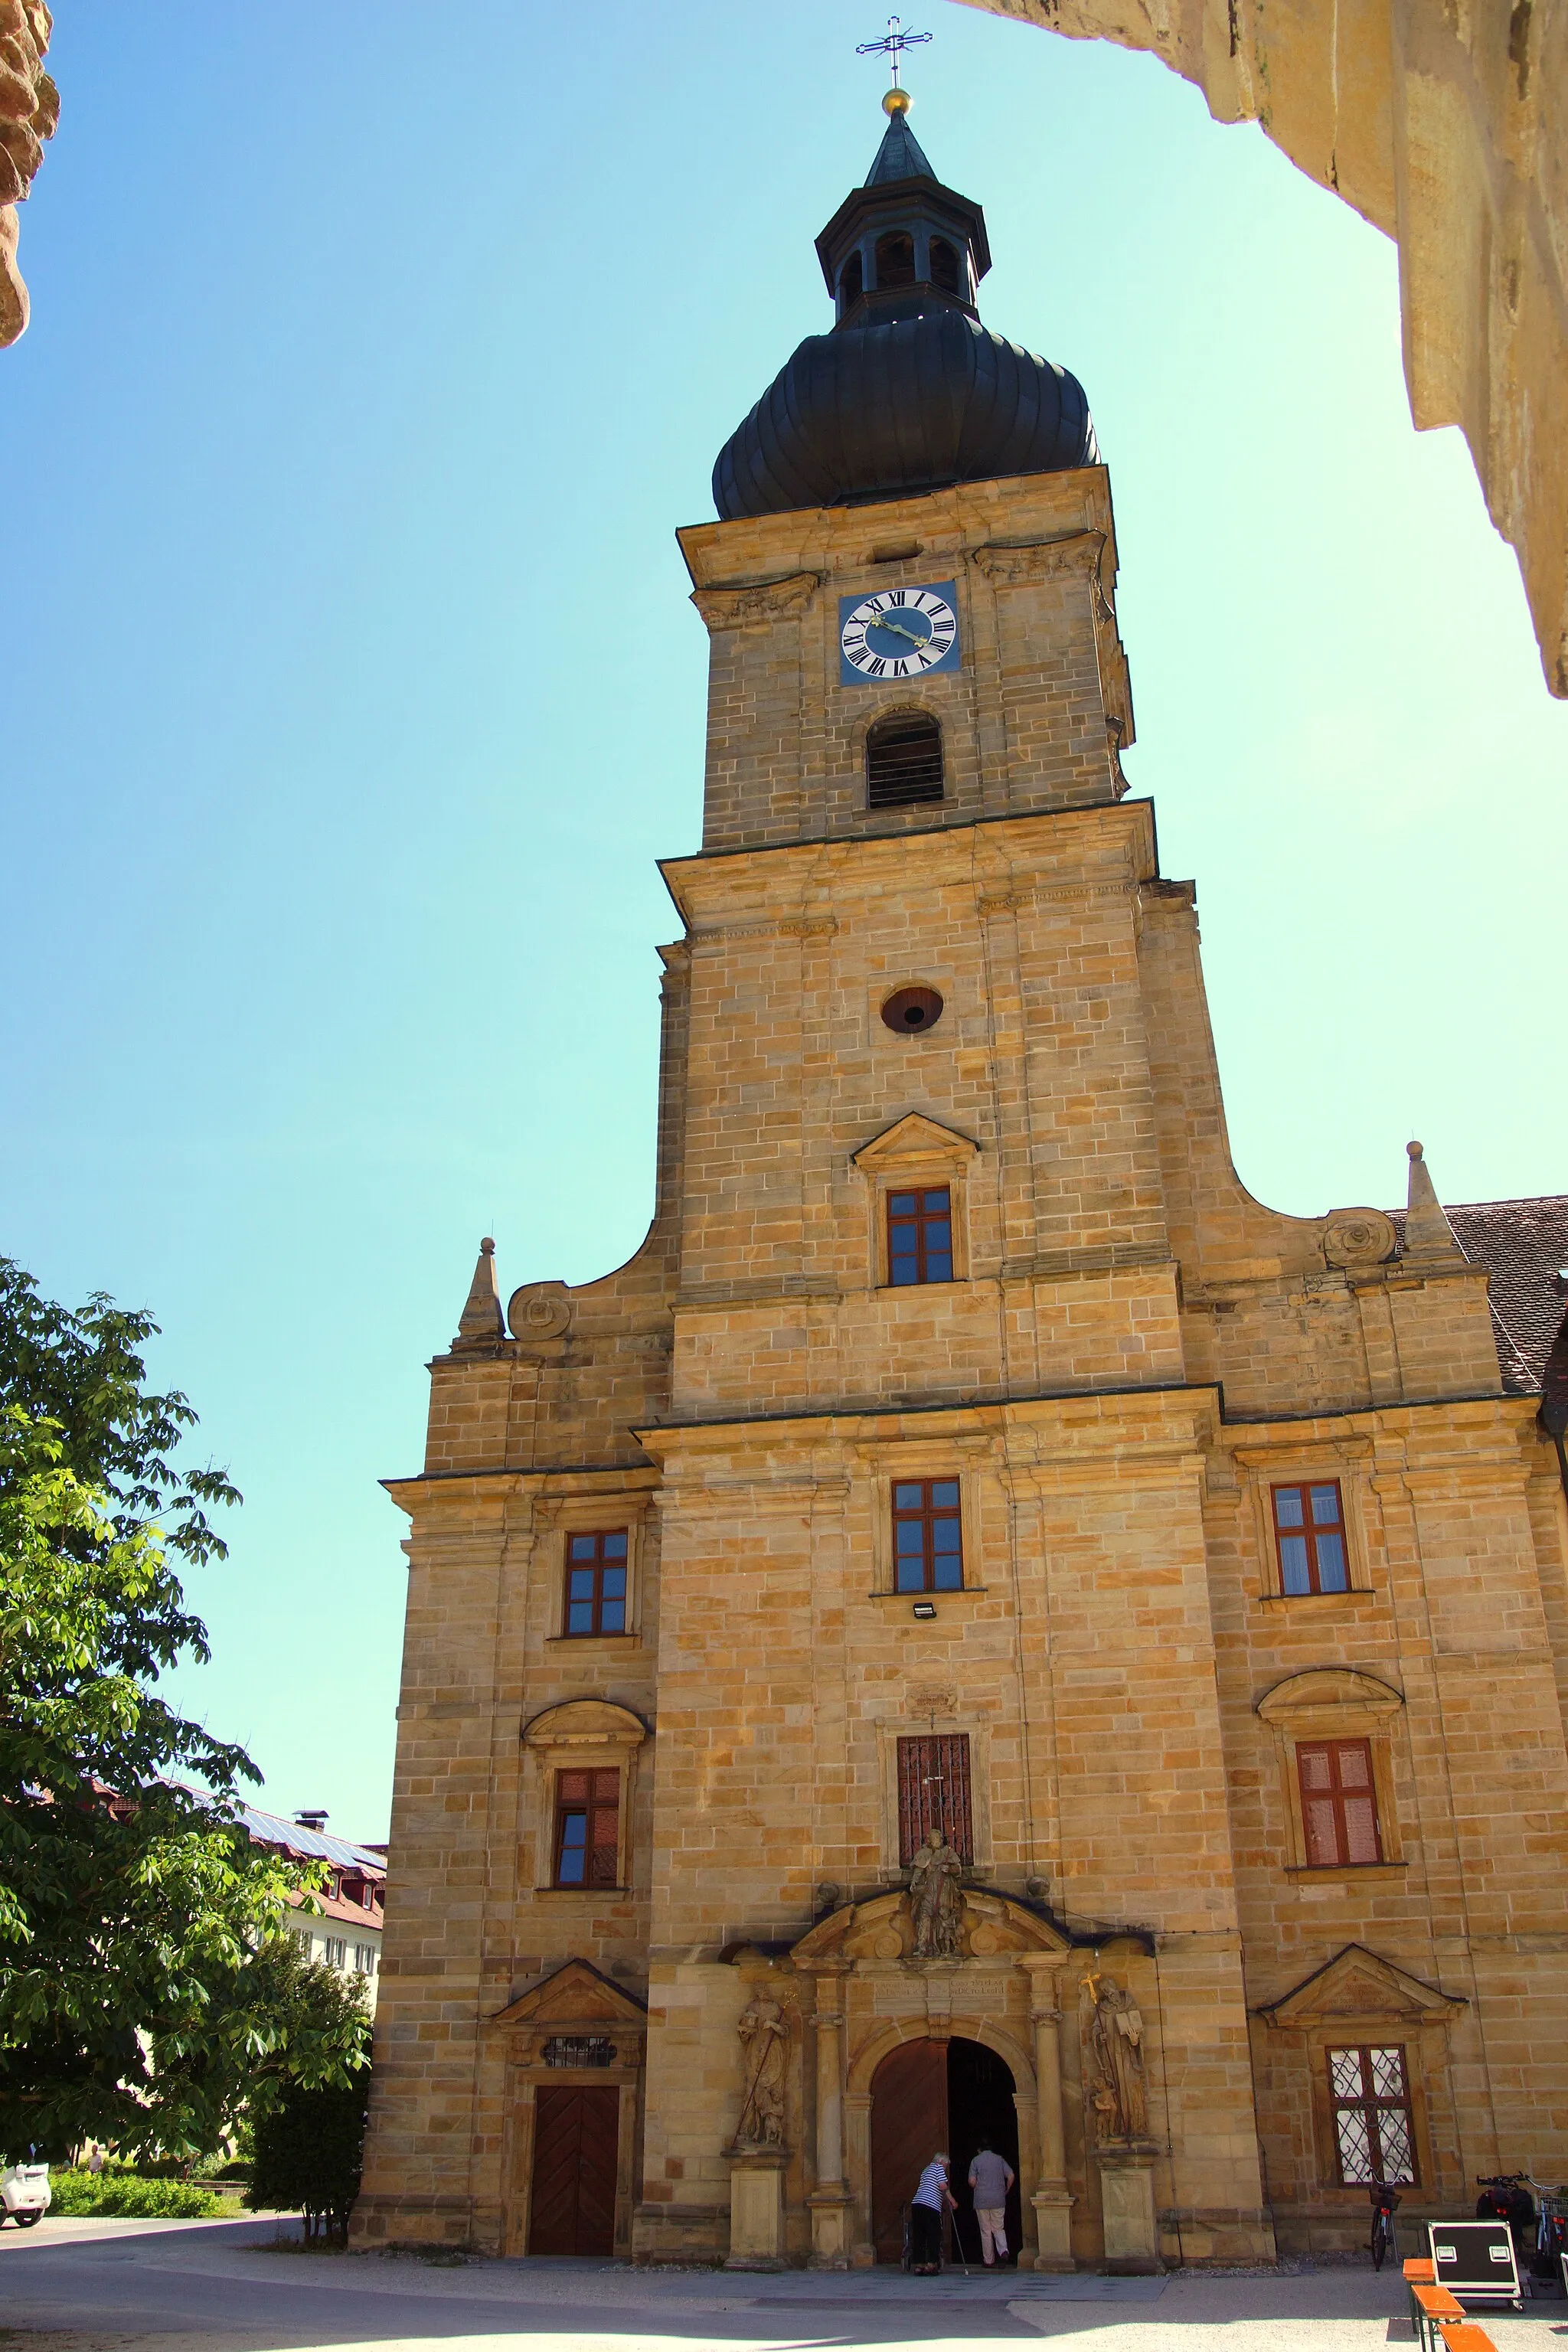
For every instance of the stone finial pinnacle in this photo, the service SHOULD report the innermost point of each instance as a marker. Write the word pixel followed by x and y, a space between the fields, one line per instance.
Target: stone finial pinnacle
pixel 482 1324
pixel 1427 1233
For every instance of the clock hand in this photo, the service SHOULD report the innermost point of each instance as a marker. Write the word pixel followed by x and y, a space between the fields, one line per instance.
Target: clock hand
pixel 897 629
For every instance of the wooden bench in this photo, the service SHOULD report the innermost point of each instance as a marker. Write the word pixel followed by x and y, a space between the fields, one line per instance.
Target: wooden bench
pixel 1464 2336
pixel 1418 2270
pixel 1432 2307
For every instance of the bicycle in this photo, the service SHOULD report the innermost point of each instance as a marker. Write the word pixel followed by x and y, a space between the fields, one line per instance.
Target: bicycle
pixel 1384 2198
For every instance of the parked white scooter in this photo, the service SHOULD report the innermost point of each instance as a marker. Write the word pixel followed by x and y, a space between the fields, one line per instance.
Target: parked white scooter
pixel 24 2194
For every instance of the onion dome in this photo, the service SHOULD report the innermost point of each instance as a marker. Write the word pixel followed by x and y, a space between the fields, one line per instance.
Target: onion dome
pixel 908 391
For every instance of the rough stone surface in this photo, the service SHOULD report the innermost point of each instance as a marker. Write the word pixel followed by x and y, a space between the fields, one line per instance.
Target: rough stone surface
pixel 1445 123
pixel 30 110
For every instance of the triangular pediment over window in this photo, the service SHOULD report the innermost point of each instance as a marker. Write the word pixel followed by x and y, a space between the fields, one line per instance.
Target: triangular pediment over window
pixel 915 1141
pixel 1357 1988
pixel 575 2000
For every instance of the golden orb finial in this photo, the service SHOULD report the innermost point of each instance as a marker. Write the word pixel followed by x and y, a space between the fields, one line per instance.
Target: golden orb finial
pixel 896 100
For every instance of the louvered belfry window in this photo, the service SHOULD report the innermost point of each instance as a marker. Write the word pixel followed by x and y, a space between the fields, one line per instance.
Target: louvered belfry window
pixel 895 259
pixel 903 761
pixel 933 1794
pixel 1373 2134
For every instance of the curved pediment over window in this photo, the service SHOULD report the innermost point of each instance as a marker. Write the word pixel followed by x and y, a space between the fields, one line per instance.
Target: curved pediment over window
pixel 1324 1688
pixel 585 1723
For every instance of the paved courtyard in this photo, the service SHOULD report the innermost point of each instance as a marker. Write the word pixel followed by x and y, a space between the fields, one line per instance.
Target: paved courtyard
pixel 225 2286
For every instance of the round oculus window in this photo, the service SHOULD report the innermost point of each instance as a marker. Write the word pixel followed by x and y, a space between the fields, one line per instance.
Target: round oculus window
pixel 910 1010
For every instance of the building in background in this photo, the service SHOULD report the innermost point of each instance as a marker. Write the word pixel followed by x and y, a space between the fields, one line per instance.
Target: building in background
pixel 345 1934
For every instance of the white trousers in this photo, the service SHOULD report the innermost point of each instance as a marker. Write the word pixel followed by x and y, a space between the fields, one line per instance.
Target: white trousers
pixel 992 2221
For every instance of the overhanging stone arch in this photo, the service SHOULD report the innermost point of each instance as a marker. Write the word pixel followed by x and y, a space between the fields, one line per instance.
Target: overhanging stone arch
pixel 865 2062
pixel 1445 129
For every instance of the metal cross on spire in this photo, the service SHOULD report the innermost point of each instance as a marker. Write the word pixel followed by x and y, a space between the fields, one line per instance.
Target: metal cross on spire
pixel 892 45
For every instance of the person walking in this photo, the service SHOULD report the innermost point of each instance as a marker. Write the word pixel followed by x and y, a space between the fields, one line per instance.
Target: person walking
pixel 930 2201
pixel 990 2177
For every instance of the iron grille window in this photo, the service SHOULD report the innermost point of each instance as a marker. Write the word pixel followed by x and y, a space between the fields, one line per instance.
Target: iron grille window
pixel 1339 1801
pixel 1372 2135
pixel 928 1543
pixel 903 762
pixel 1310 1529
pixel 920 1236
pixel 579 2050
pixel 596 1582
pixel 587 1819
pixel 933 1794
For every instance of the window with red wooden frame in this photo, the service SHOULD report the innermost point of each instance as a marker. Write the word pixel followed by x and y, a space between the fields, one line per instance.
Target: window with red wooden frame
pixel 588 1824
pixel 1310 1536
pixel 596 1582
pixel 1374 2136
pixel 933 1794
pixel 920 1235
pixel 1338 1803
pixel 927 1542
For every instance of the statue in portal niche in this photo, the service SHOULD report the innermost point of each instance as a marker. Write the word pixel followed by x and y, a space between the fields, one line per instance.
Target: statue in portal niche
pixel 764 2053
pixel 1121 2098
pixel 936 1900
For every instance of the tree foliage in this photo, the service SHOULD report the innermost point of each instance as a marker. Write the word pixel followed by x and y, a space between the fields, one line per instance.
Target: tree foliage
pixel 143 1990
pixel 309 2154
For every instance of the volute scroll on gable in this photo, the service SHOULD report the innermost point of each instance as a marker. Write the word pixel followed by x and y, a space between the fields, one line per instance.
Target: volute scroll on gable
pixel 994 1928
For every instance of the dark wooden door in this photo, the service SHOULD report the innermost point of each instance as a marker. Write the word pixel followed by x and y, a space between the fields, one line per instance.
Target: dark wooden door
pixel 909 2126
pixel 573 2209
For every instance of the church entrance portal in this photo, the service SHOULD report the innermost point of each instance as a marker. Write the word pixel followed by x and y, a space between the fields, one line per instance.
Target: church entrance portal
pixel 927 2096
pixel 573 2208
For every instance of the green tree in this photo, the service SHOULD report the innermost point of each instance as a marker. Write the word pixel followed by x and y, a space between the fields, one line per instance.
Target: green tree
pixel 309 2151
pixel 140 1978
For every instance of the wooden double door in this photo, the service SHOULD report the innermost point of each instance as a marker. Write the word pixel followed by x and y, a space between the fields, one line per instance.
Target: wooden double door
pixel 576 2131
pixel 933 2096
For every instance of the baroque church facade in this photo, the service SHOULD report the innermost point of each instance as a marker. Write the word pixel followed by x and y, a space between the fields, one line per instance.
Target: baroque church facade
pixel 980 1630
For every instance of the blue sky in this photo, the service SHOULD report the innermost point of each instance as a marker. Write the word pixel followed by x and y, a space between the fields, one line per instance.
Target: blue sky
pixel 352 688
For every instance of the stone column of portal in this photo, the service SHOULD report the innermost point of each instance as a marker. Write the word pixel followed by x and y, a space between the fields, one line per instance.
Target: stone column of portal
pixel 829 2200
pixel 1051 2199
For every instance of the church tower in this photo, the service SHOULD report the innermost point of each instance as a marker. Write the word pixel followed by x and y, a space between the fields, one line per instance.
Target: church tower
pixel 980 1630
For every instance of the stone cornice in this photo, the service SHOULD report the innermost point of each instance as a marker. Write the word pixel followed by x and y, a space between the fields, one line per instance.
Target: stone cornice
pixel 1026 564
pixel 751 605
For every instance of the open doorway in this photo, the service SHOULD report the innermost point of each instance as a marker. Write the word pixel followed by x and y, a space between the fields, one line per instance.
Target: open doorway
pixel 927 2096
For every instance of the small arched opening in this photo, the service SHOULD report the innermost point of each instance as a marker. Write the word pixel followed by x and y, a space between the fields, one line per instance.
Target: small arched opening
pixel 903 761
pixel 894 259
pixel 944 265
pixel 851 282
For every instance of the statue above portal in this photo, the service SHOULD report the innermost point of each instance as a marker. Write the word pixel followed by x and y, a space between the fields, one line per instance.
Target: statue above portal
pixel 936 1902
pixel 764 2051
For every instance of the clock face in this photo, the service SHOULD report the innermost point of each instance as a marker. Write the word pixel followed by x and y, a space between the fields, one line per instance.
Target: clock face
pixel 898 633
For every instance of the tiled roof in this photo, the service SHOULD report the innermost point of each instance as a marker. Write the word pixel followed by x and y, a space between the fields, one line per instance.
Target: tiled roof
pixel 1522 1245
pixel 346 1915
pixel 270 1829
